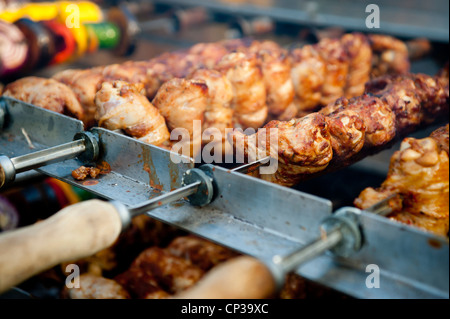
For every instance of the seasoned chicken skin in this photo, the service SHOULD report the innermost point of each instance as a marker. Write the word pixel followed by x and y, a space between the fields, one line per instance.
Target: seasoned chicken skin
pixel 390 55
pixel 182 102
pixel 136 72
pixel 330 69
pixel 121 105
pixel 276 71
pixel 85 84
pixel 249 91
pixel 360 57
pixel 308 75
pixel 419 176
pixel 267 82
pixel 346 130
pixel 218 113
pixel 336 69
pixel 46 93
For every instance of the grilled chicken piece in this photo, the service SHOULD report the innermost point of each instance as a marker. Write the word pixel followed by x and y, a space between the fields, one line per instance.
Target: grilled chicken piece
pixel 96 287
pixel 347 133
pixel 46 93
pixel 199 252
pixel 330 69
pixel 360 56
pixel 210 53
pixel 85 84
pixel 182 102
pixel 135 72
pixel 336 69
pixel 315 75
pixel 218 115
pixel 419 175
pixel 304 146
pixel 308 145
pixel 378 118
pixel 390 55
pixel 276 71
pixel 308 75
pixel 121 105
pixel 249 91
pixel 173 274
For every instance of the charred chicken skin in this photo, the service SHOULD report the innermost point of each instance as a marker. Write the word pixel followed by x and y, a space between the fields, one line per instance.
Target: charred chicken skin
pixel 419 176
pixel 346 130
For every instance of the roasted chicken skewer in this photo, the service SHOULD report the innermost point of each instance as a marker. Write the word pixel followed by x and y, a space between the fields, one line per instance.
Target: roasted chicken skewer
pixel 240 83
pixel 283 83
pixel 347 130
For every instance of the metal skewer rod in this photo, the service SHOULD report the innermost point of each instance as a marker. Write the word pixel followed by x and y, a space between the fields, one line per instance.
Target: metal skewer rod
pixel 85 146
pixel 291 261
pixel 40 158
pixel 251 166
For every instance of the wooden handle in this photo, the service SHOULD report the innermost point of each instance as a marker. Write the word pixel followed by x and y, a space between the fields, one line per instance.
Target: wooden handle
pixel 240 278
pixel 75 232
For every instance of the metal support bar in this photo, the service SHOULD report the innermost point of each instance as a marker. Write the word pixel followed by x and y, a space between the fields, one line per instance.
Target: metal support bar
pixel 197 187
pixel 164 199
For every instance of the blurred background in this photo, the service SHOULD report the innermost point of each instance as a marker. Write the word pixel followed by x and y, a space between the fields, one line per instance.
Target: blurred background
pixel 116 31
